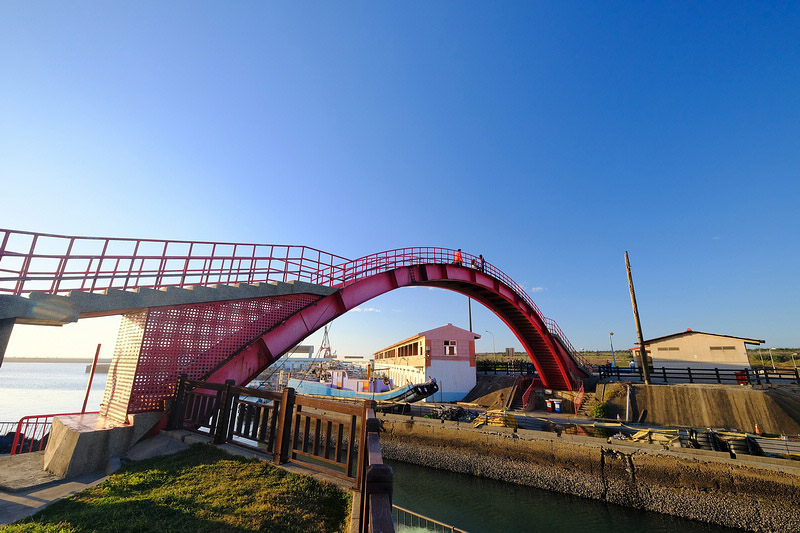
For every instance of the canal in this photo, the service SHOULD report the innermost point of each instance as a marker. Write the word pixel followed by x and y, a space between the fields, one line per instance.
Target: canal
pixel 478 505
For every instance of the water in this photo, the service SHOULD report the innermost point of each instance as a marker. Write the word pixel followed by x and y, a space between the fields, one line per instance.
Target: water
pixel 46 388
pixel 484 505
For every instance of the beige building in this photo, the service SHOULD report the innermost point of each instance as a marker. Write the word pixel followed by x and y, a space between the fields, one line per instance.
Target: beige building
pixel 696 349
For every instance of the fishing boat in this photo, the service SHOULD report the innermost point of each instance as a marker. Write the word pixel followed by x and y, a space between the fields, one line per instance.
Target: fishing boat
pixel 338 383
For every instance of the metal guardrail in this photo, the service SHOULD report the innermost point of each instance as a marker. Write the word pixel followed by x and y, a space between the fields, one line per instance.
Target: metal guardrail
pixel 744 376
pixel 58 264
pixel 32 432
pixel 352 271
pixel 506 367
pixel 339 439
pixel 409 519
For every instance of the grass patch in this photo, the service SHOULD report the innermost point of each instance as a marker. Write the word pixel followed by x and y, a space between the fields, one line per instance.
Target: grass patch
pixel 200 489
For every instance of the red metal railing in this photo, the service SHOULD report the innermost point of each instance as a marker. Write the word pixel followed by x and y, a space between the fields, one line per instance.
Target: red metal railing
pixel 32 432
pixel 344 274
pixel 57 264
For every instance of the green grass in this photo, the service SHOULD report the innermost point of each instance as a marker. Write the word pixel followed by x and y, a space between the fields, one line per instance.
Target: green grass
pixel 200 489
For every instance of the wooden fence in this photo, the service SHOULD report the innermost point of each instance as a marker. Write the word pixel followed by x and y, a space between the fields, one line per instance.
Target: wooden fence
pixel 339 439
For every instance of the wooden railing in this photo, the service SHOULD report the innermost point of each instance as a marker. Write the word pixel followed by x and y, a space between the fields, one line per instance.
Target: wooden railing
pixel 744 376
pixel 339 439
pixel 377 482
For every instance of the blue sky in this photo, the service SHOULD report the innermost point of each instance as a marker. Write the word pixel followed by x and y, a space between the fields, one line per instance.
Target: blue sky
pixel 548 136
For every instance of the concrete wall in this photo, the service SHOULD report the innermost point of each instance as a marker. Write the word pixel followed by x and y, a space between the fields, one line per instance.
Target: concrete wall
pixel 756 494
pixel 716 406
pixel 455 379
pixel 80 444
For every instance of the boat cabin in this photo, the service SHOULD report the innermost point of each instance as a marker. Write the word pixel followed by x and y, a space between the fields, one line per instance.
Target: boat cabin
pixel 338 379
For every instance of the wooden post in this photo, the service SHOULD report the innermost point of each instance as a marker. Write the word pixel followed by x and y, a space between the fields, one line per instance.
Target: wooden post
pixel 284 426
pixel 642 349
pixel 224 416
pixel 178 408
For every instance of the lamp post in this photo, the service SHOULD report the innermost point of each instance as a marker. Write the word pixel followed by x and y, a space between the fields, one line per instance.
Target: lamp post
pixel 494 352
pixel 771 359
pixel 613 357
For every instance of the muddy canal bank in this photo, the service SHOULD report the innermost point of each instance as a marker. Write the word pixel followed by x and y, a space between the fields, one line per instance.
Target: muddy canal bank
pixel 757 494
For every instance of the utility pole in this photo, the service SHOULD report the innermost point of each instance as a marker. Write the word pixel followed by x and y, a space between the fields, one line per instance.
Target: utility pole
pixel 613 357
pixel 642 349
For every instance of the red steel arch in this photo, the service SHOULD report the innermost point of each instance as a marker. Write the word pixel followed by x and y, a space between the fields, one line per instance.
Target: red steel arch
pixel 369 277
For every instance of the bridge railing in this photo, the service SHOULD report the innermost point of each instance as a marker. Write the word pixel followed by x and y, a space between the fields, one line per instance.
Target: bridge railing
pixel 352 271
pixel 57 264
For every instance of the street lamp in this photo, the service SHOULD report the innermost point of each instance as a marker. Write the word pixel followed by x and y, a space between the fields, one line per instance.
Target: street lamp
pixel 771 359
pixel 494 352
pixel 613 357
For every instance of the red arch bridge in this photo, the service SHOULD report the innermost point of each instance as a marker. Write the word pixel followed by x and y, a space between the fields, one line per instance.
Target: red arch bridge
pixel 219 311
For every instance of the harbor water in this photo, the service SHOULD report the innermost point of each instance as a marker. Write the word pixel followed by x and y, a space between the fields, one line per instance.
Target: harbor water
pixel 478 505
pixel 46 388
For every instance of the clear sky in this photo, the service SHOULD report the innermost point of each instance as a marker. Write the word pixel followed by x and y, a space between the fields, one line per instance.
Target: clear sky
pixel 548 136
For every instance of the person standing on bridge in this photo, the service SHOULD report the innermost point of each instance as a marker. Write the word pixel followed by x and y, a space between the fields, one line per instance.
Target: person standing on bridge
pixel 457 259
pixel 481 262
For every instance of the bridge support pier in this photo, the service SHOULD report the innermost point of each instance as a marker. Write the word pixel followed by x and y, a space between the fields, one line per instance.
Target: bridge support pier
pixel 6 325
pixel 80 444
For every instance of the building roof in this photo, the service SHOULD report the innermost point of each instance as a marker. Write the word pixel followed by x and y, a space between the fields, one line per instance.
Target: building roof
pixel 426 334
pixel 449 327
pixel 690 331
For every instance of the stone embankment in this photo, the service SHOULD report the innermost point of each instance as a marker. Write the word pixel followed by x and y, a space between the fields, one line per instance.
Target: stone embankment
pixel 756 494
pixel 775 410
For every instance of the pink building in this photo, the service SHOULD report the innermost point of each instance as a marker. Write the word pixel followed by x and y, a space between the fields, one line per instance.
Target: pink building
pixel 446 354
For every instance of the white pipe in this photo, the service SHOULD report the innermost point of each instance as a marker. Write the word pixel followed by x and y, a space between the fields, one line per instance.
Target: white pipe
pixel 628 405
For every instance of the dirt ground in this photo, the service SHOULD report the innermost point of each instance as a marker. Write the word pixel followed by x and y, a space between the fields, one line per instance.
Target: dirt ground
pixel 491 391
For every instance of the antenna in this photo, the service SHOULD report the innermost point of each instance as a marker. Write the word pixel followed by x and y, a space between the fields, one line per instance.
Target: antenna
pixel 325 346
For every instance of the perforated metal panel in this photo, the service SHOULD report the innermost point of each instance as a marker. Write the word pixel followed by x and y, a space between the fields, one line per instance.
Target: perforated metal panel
pixel 190 339
pixel 122 373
